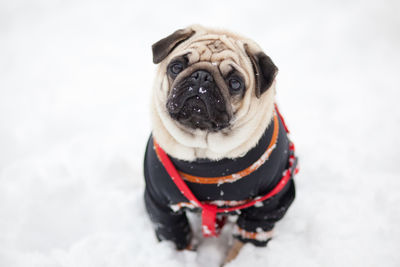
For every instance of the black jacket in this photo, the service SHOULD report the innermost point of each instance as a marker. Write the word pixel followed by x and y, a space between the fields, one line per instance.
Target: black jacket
pixel 165 203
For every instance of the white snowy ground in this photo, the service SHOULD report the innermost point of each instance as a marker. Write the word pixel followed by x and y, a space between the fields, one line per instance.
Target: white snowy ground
pixel 75 78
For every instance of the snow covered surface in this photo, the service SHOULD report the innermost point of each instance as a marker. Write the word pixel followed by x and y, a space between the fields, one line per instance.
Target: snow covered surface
pixel 75 78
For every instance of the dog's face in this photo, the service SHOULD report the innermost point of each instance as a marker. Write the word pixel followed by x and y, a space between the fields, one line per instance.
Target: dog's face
pixel 208 75
pixel 200 95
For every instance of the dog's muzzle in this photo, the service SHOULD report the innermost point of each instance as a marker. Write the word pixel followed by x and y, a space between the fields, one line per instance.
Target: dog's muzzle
pixel 197 102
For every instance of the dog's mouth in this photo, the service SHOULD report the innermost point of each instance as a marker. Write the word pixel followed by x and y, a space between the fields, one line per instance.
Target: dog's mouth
pixel 198 107
pixel 197 113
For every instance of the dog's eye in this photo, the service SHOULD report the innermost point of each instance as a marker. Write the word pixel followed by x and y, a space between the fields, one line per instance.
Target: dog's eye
pixel 235 85
pixel 175 68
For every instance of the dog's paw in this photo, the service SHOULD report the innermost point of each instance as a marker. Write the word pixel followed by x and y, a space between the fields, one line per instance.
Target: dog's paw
pixel 233 252
pixel 193 245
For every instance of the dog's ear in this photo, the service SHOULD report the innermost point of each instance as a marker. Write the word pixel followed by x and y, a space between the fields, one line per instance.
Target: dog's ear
pixel 264 70
pixel 162 48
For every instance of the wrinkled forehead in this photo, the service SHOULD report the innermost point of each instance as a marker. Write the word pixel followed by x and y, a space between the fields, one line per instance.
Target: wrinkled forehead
pixel 221 50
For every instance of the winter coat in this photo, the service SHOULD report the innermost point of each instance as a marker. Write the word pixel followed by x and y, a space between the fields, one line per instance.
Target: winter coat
pixel 223 183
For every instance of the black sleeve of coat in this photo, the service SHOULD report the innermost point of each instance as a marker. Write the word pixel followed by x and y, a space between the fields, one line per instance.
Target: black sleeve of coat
pixel 168 225
pixel 260 219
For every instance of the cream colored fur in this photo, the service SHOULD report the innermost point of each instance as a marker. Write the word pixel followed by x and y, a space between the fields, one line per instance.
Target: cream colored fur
pixel 252 114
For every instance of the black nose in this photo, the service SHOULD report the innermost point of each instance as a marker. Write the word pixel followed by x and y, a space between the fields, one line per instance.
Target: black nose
pixel 202 76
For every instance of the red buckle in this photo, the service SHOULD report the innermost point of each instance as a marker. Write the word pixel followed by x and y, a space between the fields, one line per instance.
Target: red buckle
pixel 209 214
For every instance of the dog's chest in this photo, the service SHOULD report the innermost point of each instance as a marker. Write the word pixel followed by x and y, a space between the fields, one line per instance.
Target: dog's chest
pixel 227 182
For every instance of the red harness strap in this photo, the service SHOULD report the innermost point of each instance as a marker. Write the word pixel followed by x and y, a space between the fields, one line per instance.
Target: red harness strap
pixel 209 212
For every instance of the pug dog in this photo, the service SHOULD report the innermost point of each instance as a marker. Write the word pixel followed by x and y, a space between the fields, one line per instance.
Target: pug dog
pixel 214 116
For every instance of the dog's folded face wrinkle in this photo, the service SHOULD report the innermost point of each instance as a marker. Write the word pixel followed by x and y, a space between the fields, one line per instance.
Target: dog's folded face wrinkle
pixel 197 101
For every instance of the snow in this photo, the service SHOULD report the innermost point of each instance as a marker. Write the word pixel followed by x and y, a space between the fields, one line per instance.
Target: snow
pixel 180 205
pixel 202 90
pixel 75 82
pixel 260 234
pixel 258 204
pixel 206 230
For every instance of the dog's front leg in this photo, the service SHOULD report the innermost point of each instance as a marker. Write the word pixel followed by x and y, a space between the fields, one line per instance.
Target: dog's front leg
pixel 169 225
